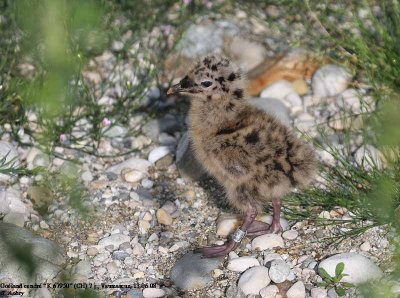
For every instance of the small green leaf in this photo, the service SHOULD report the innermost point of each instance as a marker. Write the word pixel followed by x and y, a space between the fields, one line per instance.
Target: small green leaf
pixel 347 285
pixel 339 268
pixel 340 291
pixel 325 274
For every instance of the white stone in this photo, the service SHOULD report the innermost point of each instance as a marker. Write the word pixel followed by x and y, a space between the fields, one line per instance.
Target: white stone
pixel 158 153
pixel 242 263
pixel 87 176
pixel 359 268
pixel 279 271
pixel 279 89
pixel 293 100
pixel 319 293
pixel 114 239
pixel 269 291
pixel 325 215
pixel 267 241
pixel 253 280
pixel 366 246
pixel 116 131
pixel 153 293
pixel 133 163
pixel 298 290
pixel 330 80
pixel 349 100
pixel 290 235
pixel 368 157
pixel 134 176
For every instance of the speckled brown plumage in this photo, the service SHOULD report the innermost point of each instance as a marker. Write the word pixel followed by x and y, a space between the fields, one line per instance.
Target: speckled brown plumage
pixel 252 154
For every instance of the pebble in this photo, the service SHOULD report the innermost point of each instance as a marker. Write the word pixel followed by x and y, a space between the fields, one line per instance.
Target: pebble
pixel 279 90
pixel 153 293
pixel 92 251
pixel 115 240
pixel 325 215
pixel 330 80
pixel 368 156
pixel 163 217
pixel 279 271
pixel 158 153
pixel 298 290
pixel 193 272
pixel 133 176
pixel 267 241
pixel 290 235
pixel 300 86
pixel 319 293
pixel 366 246
pixel 359 268
pixel 138 249
pixel 87 176
pixel 133 163
pixel 332 293
pixel 253 280
pixel 144 226
pixel 272 106
pixel 269 291
pixel 242 263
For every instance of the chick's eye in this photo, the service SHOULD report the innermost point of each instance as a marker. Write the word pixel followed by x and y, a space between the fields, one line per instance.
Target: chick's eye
pixel 206 83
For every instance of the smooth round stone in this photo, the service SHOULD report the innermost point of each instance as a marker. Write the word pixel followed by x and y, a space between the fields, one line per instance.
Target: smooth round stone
pixel 359 268
pixel 298 290
pixel 115 240
pixel 290 235
pixel 319 293
pixel 267 241
pixel 300 86
pixel 279 89
pixel 253 280
pixel 92 251
pixel 242 263
pixel 193 272
pixel 330 80
pixel 158 153
pixel 116 131
pixel 134 176
pixel 87 176
pixel 133 163
pixel 17 219
pixel 153 293
pixel 368 156
pixel 279 271
pixel 163 217
pixel 269 291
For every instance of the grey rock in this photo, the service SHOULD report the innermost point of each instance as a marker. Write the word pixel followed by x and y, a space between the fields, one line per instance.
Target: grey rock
pixel 154 127
pixel 234 292
pixel 359 268
pixel 83 268
pixel 330 80
pixel 332 293
pixel 47 256
pixel 192 272
pixel 115 131
pixel 114 239
pixel 274 107
pixel 186 161
pixel 279 271
pixel 10 153
pixel 17 219
pixel 199 40
pixel 135 293
pixel 120 255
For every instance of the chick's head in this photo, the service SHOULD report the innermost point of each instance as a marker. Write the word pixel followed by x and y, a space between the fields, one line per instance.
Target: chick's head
pixel 212 77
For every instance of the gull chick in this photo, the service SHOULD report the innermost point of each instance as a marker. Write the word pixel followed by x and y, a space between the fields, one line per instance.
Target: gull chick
pixel 252 154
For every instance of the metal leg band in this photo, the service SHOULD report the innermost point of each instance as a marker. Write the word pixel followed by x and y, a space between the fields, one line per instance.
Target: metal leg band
pixel 238 235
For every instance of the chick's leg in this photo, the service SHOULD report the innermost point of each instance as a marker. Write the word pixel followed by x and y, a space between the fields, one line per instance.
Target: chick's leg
pixel 258 228
pixel 222 250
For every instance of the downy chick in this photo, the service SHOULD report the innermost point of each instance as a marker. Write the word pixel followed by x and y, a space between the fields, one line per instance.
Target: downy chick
pixel 253 155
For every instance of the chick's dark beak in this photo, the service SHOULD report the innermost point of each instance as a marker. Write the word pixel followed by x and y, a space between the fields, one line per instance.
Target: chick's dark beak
pixel 175 89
